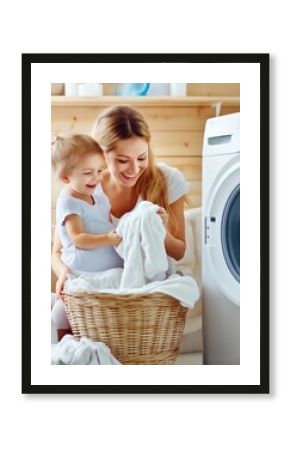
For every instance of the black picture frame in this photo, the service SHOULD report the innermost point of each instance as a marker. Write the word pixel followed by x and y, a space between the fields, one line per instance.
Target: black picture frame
pixel 263 61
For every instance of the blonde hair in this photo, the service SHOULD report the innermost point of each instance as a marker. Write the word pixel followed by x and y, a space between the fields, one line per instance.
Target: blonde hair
pixel 123 122
pixel 68 149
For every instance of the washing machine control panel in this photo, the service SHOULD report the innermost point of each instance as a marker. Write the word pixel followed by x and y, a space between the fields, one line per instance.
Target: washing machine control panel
pixel 210 227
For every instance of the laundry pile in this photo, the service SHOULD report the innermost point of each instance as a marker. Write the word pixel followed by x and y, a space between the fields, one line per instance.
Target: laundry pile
pixel 183 288
pixel 145 262
pixel 72 351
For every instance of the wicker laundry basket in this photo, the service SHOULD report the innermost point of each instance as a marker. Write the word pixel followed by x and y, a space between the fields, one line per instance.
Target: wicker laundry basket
pixel 139 329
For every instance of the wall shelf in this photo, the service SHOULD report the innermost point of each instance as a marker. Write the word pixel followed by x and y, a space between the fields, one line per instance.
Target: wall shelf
pixel 63 101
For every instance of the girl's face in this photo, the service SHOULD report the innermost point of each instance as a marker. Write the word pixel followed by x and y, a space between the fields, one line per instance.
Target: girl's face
pixel 85 176
pixel 128 160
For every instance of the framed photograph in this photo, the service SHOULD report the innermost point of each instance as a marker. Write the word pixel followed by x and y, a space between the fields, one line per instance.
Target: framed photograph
pixel 181 306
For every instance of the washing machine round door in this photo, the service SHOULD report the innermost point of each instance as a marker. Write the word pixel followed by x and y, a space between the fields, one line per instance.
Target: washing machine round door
pixel 222 232
pixel 230 233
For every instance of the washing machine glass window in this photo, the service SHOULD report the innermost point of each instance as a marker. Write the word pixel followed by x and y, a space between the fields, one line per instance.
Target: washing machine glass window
pixel 230 233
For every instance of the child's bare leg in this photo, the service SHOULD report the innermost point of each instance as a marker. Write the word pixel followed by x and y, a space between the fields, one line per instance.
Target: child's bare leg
pixel 58 315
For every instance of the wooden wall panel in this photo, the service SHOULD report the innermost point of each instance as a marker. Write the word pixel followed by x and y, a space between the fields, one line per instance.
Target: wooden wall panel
pixel 214 89
pixel 81 119
pixel 78 119
pixel 177 143
pixel 190 167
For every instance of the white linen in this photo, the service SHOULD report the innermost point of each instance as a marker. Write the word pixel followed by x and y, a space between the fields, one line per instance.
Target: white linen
pixel 142 247
pixel 183 288
pixel 145 262
pixel 71 351
pixel 87 281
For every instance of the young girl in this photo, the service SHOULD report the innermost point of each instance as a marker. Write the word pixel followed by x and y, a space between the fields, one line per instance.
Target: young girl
pixel 82 217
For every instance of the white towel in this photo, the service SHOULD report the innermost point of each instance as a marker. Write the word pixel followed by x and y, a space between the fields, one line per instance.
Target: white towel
pixel 90 281
pixel 145 262
pixel 142 247
pixel 184 289
pixel 71 351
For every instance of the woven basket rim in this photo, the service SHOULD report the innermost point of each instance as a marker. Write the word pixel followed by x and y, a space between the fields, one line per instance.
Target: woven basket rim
pixel 133 300
pixel 106 294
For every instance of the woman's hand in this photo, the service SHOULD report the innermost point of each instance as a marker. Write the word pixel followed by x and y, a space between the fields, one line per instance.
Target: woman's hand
pixel 114 238
pixel 164 216
pixel 60 282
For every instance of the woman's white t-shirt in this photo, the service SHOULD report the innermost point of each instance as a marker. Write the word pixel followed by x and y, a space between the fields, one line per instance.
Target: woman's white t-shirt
pixel 176 183
pixel 95 220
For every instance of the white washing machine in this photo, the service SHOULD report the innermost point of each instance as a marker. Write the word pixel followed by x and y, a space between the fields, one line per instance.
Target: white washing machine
pixel 221 240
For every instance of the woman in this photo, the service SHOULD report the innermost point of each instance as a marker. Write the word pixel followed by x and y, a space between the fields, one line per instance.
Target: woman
pixel 131 176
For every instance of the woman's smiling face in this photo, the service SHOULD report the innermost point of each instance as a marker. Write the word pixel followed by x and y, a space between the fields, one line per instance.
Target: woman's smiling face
pixel 128 160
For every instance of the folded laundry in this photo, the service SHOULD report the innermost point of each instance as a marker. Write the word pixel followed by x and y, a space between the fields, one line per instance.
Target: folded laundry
pixel 71 351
